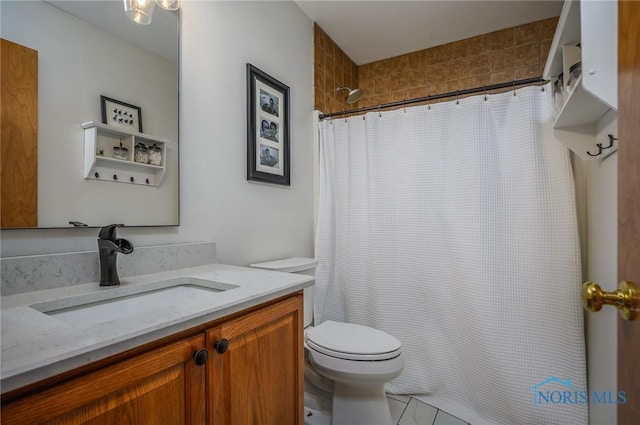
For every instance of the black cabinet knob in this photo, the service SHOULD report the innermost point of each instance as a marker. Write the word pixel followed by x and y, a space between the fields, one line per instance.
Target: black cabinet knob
pixel 221 346
pixel 201 356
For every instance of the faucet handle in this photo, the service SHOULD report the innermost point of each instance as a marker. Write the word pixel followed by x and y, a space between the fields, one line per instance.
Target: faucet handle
pixel 109 232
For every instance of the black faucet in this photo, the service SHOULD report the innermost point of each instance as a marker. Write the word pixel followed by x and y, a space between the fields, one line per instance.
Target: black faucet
pixel 109 247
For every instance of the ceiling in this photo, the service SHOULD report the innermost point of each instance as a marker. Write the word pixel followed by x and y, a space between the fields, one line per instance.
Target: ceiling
pixel 160 37
pixel 368 31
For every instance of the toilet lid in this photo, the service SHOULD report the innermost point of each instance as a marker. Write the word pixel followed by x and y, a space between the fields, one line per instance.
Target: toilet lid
pixel 352 341
pixel 289 265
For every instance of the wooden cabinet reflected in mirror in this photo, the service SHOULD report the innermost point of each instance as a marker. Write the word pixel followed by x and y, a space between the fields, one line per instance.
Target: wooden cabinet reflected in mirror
pixel 85 50
pixel 19 139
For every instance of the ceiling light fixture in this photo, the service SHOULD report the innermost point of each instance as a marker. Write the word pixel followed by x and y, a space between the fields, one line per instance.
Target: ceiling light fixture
pixel 141 11
pixel 168 4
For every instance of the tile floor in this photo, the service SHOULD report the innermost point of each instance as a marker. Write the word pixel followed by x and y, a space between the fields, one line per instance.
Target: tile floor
pixel 406 410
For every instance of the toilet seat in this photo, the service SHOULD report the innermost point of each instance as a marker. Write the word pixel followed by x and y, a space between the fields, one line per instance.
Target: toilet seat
pixel 350 341
pixel 350 363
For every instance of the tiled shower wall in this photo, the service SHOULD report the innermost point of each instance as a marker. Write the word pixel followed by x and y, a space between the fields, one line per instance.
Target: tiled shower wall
pixel 502 56
pixel 331 68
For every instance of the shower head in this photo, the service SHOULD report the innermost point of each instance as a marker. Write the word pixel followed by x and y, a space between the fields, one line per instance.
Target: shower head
pixel 354 95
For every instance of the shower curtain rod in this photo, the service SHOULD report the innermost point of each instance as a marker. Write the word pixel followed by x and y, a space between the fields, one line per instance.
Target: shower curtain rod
pixel 513 84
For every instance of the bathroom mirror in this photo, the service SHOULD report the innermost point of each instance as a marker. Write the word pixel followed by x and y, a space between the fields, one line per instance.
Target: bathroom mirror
pixel 85 50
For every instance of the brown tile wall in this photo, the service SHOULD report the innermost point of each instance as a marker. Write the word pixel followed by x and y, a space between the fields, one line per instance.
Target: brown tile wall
pixel 502 56
pixel 332 69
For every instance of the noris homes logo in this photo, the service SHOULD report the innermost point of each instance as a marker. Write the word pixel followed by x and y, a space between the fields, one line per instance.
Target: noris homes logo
pixel 554 391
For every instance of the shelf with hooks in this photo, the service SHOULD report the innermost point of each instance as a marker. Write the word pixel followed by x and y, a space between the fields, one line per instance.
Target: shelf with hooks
pixel 586 34
pixel 109 155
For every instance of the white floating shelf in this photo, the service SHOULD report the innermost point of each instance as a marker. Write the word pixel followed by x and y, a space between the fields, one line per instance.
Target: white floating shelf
pixel 592 26
pixel 99 163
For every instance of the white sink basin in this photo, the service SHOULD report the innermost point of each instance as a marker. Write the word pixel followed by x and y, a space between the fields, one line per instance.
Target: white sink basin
pixel 123 302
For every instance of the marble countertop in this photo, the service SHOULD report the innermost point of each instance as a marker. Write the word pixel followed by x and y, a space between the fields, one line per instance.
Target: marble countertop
pixel 36 346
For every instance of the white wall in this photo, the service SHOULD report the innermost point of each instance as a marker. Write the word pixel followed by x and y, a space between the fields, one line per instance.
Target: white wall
pixel 249 221
pixel 602 263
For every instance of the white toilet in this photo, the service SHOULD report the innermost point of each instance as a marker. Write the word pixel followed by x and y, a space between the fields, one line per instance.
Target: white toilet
pixel 350 361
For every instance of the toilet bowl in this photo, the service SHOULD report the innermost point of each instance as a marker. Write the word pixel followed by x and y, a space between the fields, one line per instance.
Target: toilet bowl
pixel 349 361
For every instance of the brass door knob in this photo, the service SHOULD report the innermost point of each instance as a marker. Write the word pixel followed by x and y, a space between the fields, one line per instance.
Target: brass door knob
pixel 626 299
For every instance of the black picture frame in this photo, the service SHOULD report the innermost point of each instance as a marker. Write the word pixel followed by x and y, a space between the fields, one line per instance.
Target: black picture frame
pixel 121 114
pixel 268 158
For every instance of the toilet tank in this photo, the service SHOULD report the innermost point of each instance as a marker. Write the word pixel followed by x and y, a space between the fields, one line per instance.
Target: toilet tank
pixel 299 265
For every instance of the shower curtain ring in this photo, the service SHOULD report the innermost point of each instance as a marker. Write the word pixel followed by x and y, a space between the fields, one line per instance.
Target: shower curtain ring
pixel 345 115
pixel 404 102
pixel 485 93
pixel 379 113
pixel 429 102
pixel 514 87
pixel 457 97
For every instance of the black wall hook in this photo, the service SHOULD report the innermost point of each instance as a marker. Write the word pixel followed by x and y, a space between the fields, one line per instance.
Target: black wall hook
pixel 611 139
pixel 601 148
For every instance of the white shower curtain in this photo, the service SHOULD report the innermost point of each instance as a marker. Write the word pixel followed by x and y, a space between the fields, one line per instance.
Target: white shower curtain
pixel 453 228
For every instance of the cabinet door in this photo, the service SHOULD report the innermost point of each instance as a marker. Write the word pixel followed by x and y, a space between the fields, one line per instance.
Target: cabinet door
pixel 161 387
pixel 259 379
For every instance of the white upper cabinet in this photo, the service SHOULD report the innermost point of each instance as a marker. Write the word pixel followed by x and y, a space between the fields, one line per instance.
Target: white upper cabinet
pixel 600 50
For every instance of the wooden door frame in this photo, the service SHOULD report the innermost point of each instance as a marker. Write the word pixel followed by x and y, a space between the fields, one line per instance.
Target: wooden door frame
pixel 629 201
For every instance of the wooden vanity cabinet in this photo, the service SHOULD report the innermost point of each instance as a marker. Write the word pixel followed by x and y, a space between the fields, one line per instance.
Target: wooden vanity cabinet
pixel 258 378
pixel 162 386
pixel 253 375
